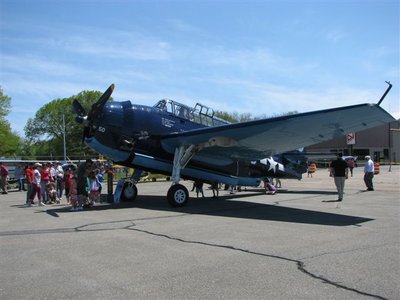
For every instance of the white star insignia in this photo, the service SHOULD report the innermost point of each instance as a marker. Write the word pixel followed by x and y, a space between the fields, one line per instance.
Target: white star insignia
pixel 272 164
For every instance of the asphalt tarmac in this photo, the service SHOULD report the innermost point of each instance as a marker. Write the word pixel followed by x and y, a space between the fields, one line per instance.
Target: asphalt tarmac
pixel 297 244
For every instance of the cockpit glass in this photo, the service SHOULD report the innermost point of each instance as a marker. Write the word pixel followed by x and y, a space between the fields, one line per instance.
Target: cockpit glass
pixel 200 114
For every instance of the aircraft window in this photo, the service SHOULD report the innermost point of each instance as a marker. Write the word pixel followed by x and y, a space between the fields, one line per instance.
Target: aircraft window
pixel 162 104
pixel 165 105
pixel 201 114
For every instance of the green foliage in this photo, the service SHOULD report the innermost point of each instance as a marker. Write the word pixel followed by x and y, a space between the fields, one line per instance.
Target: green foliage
pixel 10 142
pixel 44 132
pixel 235 117
pixel 5 104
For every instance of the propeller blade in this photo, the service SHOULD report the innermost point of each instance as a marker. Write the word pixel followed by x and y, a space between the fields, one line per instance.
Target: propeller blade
pixel 98 106
pixel 78 108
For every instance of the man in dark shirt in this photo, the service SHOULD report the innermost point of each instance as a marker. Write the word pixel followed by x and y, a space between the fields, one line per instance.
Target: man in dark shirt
pixel 339 170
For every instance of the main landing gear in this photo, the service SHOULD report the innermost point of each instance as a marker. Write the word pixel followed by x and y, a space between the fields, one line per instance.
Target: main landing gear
pixel 129 191
pixel 178 195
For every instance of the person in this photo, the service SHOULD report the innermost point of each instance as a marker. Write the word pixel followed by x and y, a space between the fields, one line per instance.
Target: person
pixel 4 175
pixel 73 191
pixel 351 165
pixel 278 183
pixel 67 183
pixel 369 173
pixel 52 171
pixel 269 187
pixel 100 178
pixel 94 187
pixel 59 176
pixel 36 185
pixel 215 189
pixel 199 187
pixel 51 193
pixel 82 173
pixel 29 179
pixel 339 170
pixel 309 172
pixel 20 175
pixel 44 180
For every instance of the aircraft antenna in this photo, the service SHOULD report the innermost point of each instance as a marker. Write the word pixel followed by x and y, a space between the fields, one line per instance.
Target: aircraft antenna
pixel 386 92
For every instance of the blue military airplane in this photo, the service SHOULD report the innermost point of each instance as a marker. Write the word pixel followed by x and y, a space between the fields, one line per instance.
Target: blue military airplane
pixel 192 143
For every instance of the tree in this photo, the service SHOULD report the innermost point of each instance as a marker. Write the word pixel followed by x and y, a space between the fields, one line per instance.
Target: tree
pixel 45 131
pixel 235 117
pixel 5 105
pixel 9 141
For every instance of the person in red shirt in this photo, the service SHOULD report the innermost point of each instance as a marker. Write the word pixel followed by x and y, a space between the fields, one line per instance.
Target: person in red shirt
pixel 28 179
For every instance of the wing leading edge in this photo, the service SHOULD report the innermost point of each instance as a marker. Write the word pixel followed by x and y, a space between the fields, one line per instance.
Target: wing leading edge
pixel 261 138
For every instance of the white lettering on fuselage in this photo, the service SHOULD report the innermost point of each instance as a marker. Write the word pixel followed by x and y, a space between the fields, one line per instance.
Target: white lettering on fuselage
pixel 167 123
pixel 102 129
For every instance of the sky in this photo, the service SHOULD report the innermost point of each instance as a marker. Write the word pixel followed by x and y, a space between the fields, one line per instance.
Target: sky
pixel 260 57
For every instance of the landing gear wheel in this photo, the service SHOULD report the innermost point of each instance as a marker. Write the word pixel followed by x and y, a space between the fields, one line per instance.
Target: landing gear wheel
pixel 129 192
pixel 178 195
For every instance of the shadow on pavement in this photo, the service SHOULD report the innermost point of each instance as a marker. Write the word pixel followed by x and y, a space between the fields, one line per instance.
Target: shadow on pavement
pixel 227 206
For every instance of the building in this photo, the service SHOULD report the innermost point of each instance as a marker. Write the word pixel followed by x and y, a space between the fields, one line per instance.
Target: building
pixel 382 143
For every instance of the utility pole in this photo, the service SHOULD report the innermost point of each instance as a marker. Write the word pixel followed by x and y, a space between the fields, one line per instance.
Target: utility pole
pixel 65 148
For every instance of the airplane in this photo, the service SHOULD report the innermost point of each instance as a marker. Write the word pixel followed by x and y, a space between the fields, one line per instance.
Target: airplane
pixel 192 143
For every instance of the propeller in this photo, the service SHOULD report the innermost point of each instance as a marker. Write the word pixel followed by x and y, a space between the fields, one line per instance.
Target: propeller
pixel 97 107
pixel 94 112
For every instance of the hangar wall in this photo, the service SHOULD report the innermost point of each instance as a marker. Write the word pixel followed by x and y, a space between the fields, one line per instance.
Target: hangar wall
pixel 382 143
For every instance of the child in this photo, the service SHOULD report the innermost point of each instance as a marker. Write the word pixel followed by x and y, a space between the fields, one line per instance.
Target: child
pixel 94 188
pixel 269 188
pixel 73 191
pixel 52 192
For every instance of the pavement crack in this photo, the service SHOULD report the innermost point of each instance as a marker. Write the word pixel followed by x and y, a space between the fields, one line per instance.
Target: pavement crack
pixel 301 266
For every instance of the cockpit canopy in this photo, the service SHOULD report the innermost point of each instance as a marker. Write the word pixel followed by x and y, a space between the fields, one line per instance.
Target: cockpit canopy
pixel 200 114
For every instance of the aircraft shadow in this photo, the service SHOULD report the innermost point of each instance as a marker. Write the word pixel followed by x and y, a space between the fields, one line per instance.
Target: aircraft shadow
pixel 284 191
pixel 231 206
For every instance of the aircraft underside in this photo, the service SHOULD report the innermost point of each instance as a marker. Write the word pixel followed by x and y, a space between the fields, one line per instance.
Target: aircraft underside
pixel 240 173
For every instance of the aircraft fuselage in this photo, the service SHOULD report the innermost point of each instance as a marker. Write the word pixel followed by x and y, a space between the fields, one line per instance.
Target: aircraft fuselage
pixel 131 134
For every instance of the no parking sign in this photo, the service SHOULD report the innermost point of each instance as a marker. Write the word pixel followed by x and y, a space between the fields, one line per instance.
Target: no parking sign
pixel 351 138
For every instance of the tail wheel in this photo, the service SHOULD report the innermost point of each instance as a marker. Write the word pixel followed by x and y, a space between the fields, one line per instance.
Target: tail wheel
pixel 178 195
pixel 129 191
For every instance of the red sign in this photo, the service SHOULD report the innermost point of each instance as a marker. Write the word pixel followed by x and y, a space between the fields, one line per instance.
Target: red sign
pixel 351 138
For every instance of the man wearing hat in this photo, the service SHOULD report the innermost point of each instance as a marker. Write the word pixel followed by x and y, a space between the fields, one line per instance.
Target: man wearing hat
pixel 369 173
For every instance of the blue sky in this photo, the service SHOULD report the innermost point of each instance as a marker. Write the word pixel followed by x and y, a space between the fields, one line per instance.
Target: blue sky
pixel 258 57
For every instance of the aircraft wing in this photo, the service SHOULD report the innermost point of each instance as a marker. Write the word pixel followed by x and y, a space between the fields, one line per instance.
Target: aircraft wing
pixel 258 139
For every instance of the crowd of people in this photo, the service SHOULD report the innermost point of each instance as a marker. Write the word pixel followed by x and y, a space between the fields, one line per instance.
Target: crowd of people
pixel 48 183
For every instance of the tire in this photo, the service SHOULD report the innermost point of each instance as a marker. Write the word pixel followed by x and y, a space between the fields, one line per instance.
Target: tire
pixel 178 195
pixel 129 192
